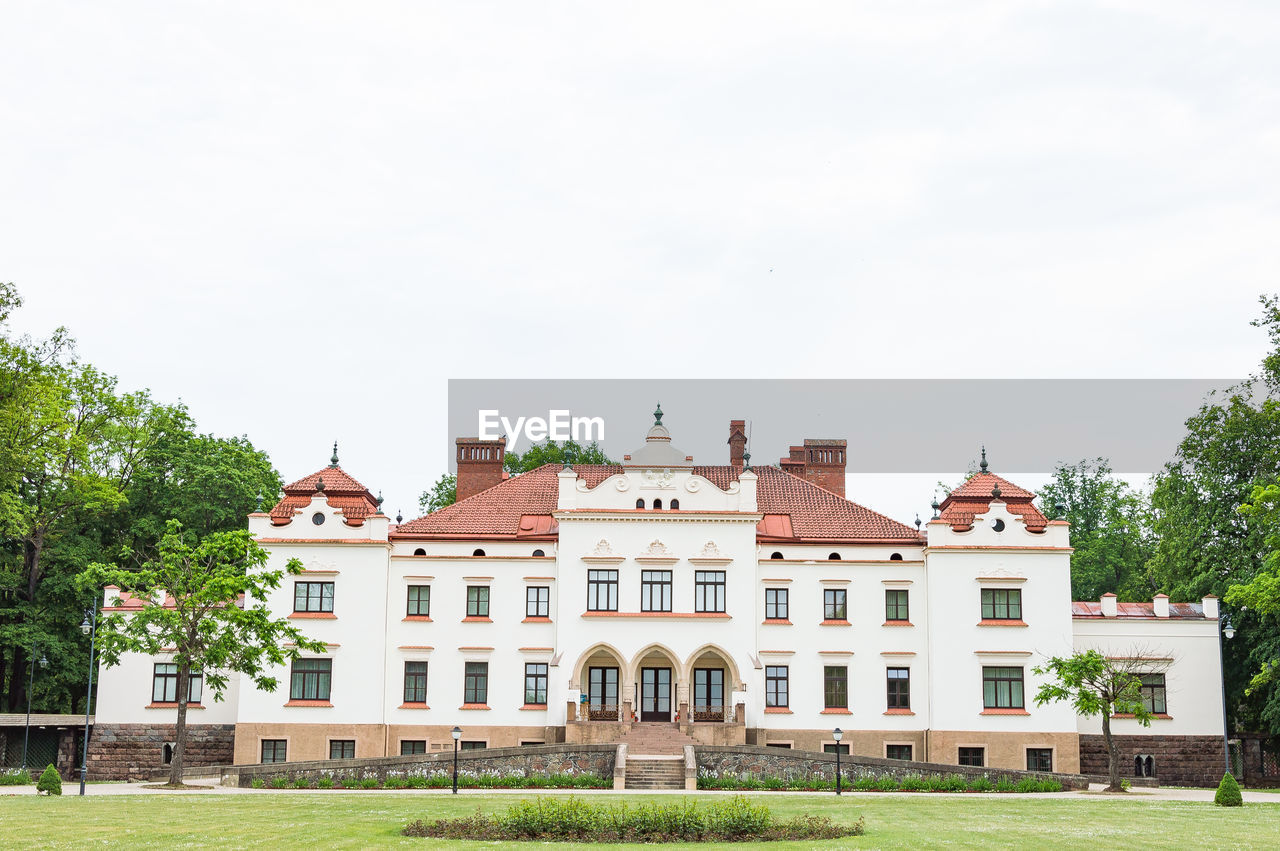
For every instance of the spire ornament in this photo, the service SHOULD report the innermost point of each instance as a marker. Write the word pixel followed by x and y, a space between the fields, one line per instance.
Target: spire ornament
pixel 934 505
pixel 399 517
pixel 983 464
pixel 746 460
pixel 259 506
pixel 333 460
pixel 917 521
pixel 379 501
pixel 995 492
pixel 320 484
pixel 657 415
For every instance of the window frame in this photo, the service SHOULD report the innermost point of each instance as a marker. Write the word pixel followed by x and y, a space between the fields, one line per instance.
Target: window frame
pixel 972 751
pixel 890 748
pixel 835 686
pixel 413 747
pixel 780 603
pixel 777 686
pixel 830 748
pixel 305 587
pixel 835 604
pixel 195 684
pixel 662 586
pixel 1011 606
pixel 279 751
pixel 475 683
pixel 537 673
pixel 1040 752
pixel 319 677
pixel 602 582
pixel 711 582
pixel 897 605
pixel 415 681
pixel 998 674
pixel 415 608
pixel 1149 691
pixel 342 743
pixel 537 601
pixel 897 687
pixel 478 602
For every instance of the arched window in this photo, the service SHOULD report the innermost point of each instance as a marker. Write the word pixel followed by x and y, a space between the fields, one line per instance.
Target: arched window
pixel 896 557
pixel 675 504
pixel 833 557
pixel 538 554
pixel 639 503
pixel 478 553
pixel 657 504
pixel 776 555
pixel 419 552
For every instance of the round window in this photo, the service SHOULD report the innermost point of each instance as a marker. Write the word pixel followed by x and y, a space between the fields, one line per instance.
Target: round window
pixel 318 518
pixel 998 525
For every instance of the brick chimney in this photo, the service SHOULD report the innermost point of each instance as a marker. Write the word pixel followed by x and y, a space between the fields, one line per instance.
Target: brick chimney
pixel 737 443
pixel 819 461
pixel 479 464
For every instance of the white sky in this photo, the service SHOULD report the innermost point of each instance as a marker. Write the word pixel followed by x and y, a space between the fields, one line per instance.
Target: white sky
pixel 302 218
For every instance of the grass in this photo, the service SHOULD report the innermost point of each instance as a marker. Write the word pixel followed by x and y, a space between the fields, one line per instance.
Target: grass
pixel 355 820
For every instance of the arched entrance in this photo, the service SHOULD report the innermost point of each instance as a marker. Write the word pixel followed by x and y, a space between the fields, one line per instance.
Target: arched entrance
pixel 655 670
pixel 599 677
pixel 712 677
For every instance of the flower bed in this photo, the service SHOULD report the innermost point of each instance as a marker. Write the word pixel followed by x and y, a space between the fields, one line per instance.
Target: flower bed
pixel 442 780
pixel 883 783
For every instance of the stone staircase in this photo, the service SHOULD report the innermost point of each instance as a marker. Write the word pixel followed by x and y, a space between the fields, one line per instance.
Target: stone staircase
pixel 655 739
pixel 655 772
pixel 655 756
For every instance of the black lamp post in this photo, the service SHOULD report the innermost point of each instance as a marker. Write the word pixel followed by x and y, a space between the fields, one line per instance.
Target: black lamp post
pixel 31 679
pixel 837 734
pixel 90 628
pixel 456 732
pixel 1228 629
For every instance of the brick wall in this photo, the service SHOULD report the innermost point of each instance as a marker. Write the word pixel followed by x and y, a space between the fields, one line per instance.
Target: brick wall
pixel 1180 760
pixel 133 751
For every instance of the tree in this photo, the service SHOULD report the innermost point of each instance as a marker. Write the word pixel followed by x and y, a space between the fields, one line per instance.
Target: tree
pixel 1228 794
pixel 445 490
pixel 1109 530
pixel 1261 594
pixel 203 601
pixel 1097 685
pixel 50 782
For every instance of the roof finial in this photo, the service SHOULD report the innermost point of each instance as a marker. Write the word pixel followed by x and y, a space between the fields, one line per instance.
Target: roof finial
pixel 259 507
pixel 379 501
pixel 568 454
pixel 983 464
pixel 399 517
pixel 657 415
pixel 746 460
pixel 934 505
pixel 995 492
pixel 333 462
pixel 917 521
pixel 320 483
pixel 1059 511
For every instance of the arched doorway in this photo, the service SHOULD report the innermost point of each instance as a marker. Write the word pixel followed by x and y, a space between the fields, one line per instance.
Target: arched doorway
pixel 655 670
pixel 712 677
pixel 599 678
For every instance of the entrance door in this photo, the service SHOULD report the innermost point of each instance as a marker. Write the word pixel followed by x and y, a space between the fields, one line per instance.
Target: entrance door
pixel 655 694
pixel 708 694
pixel 602 691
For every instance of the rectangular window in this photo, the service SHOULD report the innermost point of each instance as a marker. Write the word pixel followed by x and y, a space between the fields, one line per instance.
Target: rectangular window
pixel 164 684
pixel 835 687
pixel 477 601
pixel 897 752
pixel 476 683
pixel 409 747
pixel 1039 759
pixel 832 748
pixel 775 604
pixel 895 605
pixel 976 757
pixel 473 746
pixel 602 590
pixel 419 600
pixel 1001 604
pixel 537 601
pixel 415 682
pixel 342 749
pixel 313 596
pixel 708 589
pixel 784 746
pixel 655 591
pixel 273 750
pixel 535 683
pixel 898 688
pixel 833 605
pixel 310 680
pixel 1153 694
pixel 775 686
pixel 1002 688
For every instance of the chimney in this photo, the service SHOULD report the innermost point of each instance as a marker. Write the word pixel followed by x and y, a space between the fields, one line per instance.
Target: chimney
pixel 1210 606
pixel 1108 605
pixel 821 462
pixel 479 464
pixel 737 443
pixel 1161 605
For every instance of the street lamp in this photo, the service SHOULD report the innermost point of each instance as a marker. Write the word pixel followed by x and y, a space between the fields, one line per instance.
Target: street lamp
pixel 456 732
pixel 1228 629
pixel 88 627
pixel 31 679
pixel 837 734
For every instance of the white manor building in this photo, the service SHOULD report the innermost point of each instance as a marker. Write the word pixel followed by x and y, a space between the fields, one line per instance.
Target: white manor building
pixel 731 604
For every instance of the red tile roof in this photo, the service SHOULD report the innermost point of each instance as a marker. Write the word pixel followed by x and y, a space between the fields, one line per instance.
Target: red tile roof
pixel 975 495
pixel 796 509
pixel 340 490
pixel 1093 609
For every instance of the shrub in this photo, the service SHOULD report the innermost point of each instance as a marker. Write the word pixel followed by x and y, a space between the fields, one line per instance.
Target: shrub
pixel 51 782
pixel 1228 794
pixel 954 783
pixel 257 783
pixel 301 783
pixel 21 777
pixel 369 783
pixel 865 784
pixel 1004 784
pixel 324 783
pixel 280 783
pixel 980 784
pixel 913 783
pixel 395 783
pixel 416 781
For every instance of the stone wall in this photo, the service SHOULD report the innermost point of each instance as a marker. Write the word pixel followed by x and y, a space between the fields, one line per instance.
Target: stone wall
pixel 1180 760
pixel 133 751
pixel 792 764
pixel 532 760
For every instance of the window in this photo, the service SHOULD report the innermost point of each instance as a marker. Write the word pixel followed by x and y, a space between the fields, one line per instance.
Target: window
pixel 318 518
pixel 273 750
pixel 835 687
pixel 1001 604
pixel 775 603
pixel 409 747
pixel 655 591
pixel 415 682
pixel 537 602
pixel 998 525
pixel 1152 691
pixel 895 557
pixel 476 683
pixel 539 554
pixel 535 683
pixel 786 746
pixel 775 686
pixel 419 600
pixel 976 757
pixel 342 749
pixel 602 590
pixel 833 749
pixel 313 596
pixel 1002 688
pixel 602 692
pixel 708 589
pixel 419 552
pixel 833 557
pixel 1039 759
pixel 310 679
pixel 897 752
pixel 639 503
pixel 898 688
pixel 164 684
pixel 675 504
pixel 477 553
pixel 657 504
pixel 833 604
pixel 477 601
pixel 895 605
pixel 473 746
pixel 776 556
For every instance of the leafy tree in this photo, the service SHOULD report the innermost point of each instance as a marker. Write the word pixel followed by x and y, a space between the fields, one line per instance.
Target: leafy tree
pixel 1109 530
pixel 445 490
pixel 1097 685
pixel 214 622
pixel 1261 594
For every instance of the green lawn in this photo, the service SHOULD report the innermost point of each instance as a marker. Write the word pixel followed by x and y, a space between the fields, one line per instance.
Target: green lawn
pixel 354 820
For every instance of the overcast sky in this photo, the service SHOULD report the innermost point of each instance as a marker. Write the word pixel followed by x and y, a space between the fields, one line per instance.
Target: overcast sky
pixel 303 218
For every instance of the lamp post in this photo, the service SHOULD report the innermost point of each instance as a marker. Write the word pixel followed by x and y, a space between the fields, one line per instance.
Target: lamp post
pixel 456 732
pixel 31 679
pixel 1225 627
pixel 837 734
pixel 88 627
